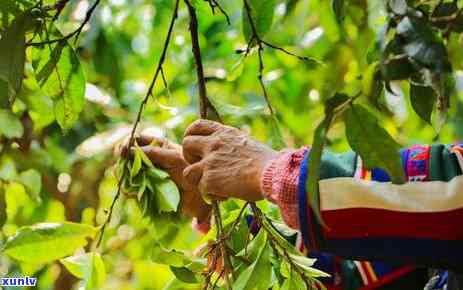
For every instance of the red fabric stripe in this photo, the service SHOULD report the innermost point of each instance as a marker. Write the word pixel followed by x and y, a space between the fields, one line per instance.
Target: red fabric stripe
pixel 367 222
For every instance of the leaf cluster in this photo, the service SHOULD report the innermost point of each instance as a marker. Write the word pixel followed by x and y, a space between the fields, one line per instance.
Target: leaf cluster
pixel 157 195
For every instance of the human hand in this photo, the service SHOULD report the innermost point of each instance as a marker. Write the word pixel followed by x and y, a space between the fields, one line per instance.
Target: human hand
pixel 168 156
pixel 225 161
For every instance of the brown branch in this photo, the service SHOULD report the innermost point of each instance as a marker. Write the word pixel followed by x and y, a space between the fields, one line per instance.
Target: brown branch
pixel 202 91
pixel 204 108
pixel 260 48
pixel 138 118
pixel 307 59
pixel 75 33
pixel 59 7
pixel 214 4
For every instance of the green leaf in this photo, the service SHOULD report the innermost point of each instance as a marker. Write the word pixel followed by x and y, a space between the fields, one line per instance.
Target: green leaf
pixel 3 215
pixel 259 274
pixel 306 265
pixel 4 94
pixel 262 17
pixel 255 246
pixel 33 244
pixel 421 44
pixel 13 55
pixel 372 86
pixel 276 139
pixel 398 68
pixel 11 126
pixel 184 274
pixel 136 164
pixel 168 196
pixel 87 266
pixel 422 99
pixel 32 180
pixel 60 75
pixel 143 157
pixel 236 71
pixel 172 257
pixel 293 281
pixel 314 166
pixel 374 144
pixel 143 186
pixel 338 8
pixel 157 173
pixel 334 102
pixel 281 240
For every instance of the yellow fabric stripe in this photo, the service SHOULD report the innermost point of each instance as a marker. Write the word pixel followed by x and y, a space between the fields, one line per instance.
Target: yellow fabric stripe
pixel 370 270
pixel 362 273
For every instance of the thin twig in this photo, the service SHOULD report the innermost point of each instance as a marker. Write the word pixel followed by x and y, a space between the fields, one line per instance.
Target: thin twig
pixel 237 220
pixel 75 33
pixel 59 6
pixel 300 57
pixel 227 265
pixel 204 107
pixel 214 4
pixel 260 48
pixel 214 251
pixel 138 118
pixel 164 80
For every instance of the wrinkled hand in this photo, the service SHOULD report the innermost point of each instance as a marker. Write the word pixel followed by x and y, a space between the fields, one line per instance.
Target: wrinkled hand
pixel 225 161
pixel 168 156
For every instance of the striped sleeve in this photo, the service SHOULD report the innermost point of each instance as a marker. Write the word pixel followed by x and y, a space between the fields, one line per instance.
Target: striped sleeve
pixel 367 217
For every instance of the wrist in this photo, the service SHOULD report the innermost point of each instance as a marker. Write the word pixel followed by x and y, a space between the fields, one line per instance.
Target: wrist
pixel 270 171
pixel 258 173
pixel 279 183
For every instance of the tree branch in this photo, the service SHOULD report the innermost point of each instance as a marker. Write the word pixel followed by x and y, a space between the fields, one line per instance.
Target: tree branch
pixel 204 108
pixel 59 6
pixel 260 48
pixel 214 4
pixel 139 114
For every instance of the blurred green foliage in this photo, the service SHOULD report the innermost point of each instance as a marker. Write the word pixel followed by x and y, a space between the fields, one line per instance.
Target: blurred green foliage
pixel 65 105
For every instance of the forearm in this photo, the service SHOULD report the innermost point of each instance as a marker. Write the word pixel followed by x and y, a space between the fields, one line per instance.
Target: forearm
pixel 373 219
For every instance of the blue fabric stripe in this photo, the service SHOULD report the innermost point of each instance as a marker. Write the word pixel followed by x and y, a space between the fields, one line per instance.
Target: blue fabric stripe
pixel 326 263
pixel 443 279
pixel 404 158
pixel 436 253
pixel 382 269
pixel 302 201
pixel 377 174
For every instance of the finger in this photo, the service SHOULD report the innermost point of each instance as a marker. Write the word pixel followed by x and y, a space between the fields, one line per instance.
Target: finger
pixel 193 173
pixel 142 140
pixel 163 157
pixel 194 147
pixel 202 127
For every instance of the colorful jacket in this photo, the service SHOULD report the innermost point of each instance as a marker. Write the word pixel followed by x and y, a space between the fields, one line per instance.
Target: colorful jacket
pixel 367 217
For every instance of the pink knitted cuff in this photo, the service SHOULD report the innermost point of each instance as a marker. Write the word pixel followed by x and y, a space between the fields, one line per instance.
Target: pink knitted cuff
pixel 279 184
